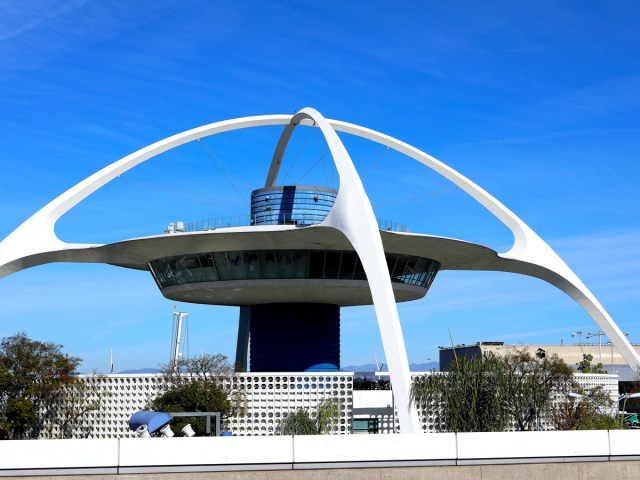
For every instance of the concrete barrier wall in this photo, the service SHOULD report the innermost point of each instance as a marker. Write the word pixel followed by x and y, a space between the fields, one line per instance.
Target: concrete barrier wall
pixel 145 455
pixel 495 447
pixel 73 456
pixel 322 451
pixel 137 455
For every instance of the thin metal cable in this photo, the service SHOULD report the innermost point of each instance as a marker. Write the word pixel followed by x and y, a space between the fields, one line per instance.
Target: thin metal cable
pixel 324 170
pixel 304 142
pixel 198 197
pixel 222 169
pixel 418 197
pixel 311 168
pixel 375 161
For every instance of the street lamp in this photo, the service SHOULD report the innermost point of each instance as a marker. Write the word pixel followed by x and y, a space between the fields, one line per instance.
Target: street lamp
pixel 578 334
pixel 624 397
pixel 579 396
pixel 598 334
pixel 610 343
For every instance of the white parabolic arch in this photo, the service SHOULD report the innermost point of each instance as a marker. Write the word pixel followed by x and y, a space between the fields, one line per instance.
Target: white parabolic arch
pixel 530 254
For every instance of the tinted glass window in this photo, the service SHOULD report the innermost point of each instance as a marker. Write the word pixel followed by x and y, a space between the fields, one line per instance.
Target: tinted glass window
pixel 299 258
pixel 251 265
pixel 209 273
pixel 222 266
pixel 268 264
pixel 332 264
pixel 348 265
pixel 316 264
pixel 285 266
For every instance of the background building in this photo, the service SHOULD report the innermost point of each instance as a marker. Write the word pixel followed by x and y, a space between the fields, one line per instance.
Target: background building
pixel 606 354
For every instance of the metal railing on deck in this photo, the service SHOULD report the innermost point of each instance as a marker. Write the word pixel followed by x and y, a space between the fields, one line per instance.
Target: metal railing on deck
pixel 299 219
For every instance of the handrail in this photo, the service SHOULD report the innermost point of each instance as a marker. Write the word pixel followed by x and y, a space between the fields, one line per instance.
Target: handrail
pixel 298 219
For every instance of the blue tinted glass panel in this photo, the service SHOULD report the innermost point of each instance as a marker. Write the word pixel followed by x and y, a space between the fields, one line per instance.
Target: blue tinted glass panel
pixel 268 264
pixel 251 265
pixel 222 266
pixel 316 263
pixel 236 265
pixel 300 259
pixel 348 265
pixel 332 264
pixel 209 273
pixel 284 263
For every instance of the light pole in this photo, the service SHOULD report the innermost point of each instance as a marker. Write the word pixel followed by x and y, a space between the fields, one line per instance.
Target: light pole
pixel 598 334
pixel 611 345
pixel 579 396
pixel 624 397
pixel 578 334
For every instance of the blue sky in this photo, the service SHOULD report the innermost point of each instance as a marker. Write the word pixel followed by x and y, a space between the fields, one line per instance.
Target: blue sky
pixel 536 102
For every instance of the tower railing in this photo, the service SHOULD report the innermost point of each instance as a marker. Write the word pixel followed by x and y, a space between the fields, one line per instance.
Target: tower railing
pixel 299 219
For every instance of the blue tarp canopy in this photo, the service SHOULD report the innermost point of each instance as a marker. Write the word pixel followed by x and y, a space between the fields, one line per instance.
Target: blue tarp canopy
pixel 153 420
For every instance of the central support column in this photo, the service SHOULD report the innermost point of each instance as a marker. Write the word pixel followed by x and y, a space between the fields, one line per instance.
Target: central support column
pixel 295 337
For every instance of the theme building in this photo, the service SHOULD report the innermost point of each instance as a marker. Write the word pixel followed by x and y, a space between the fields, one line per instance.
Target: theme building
pixel 304 253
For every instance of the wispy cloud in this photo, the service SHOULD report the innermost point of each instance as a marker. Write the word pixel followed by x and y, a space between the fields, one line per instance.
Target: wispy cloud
pixel 35 32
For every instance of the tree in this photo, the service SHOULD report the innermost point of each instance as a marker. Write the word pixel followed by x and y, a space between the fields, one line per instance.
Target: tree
pixel 300 422
pixel 467 397
pixel 77 401
pixel 34 377
pixel 585 365
pixel 529 385
pixel 198 385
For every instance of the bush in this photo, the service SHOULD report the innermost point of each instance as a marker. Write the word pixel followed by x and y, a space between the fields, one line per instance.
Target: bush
pixel 197 385
pixel 195 396
pixel 487 393
pixel 300 422
pixel 297 423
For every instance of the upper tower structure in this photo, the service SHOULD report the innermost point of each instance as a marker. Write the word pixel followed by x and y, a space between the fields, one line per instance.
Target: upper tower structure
pixel 275 271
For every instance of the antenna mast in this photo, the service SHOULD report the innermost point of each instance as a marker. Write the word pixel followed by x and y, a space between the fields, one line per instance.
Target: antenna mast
pixel 179 318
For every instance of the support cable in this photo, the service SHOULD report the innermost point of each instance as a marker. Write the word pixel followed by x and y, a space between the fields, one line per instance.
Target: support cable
pixel 222 169
pixel 412 198
pixel 197 197
pixel 324 170
pixel 304 142
pixel 375 162
pixel 312 167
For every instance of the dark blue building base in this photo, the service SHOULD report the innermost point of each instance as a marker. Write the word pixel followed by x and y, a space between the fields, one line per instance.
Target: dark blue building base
pixel 294 337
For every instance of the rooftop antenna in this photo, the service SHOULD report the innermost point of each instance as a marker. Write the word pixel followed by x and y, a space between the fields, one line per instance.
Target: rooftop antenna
pixel 379 367
pixel 111 361
pixel 180 325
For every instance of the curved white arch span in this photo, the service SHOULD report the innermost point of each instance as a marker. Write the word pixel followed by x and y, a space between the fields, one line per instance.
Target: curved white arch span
pixel 31 242
pixel 37 235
